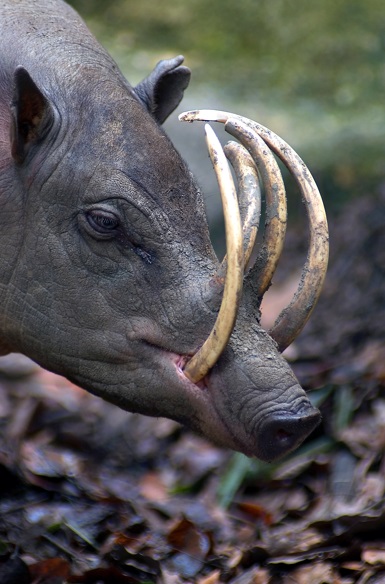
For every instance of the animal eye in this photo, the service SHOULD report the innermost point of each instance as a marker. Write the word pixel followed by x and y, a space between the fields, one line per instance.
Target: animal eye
pixel 103 221
pixel 105 225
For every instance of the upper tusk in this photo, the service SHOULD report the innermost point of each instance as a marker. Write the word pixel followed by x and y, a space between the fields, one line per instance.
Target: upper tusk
pixel 293 318
pixel 204 115
pixel 276 209
pixel 249 196
pixel 201 363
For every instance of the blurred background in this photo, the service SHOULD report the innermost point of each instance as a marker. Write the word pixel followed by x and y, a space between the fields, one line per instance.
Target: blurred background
pixel 314 72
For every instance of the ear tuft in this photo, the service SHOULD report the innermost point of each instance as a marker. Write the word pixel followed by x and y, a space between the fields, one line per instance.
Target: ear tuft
pixel 31 112
pixel 162 91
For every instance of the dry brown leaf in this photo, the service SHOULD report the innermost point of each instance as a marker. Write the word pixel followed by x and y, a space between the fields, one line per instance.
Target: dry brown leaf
pixel 187 537
pixel 256 511
pixel 191 546
pixel 171 578
pixel 151 487
pixel 318 573
pixel 292 538
pixel 252 576
pixel 213 578
pixel 374 556
pixel 50 569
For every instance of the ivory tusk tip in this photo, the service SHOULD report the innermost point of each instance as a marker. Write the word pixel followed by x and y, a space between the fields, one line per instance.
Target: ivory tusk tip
pixel 187 116
pixel 210 132
pixel 203 116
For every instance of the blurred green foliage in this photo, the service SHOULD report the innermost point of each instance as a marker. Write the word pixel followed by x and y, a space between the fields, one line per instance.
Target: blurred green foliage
pixel 316 69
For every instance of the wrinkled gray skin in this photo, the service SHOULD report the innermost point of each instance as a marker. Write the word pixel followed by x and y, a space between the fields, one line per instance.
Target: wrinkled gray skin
pixel 107 270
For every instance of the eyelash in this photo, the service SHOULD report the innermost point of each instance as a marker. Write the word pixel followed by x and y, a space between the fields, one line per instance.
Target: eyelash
pixel 107 224
pixel 103 222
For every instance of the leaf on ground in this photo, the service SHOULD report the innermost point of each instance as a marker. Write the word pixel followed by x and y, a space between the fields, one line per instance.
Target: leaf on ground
pixel 110 575
pixel 318 573
pixel 125 498
pixel 374 555
pixel 152 487
pixel 50 461
pixel 191 548
pixel 51 571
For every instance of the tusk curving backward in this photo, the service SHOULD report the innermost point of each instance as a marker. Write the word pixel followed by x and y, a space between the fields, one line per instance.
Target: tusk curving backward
pixel 293 318
pixel 276 208
pixel 201 363
pixel 249 197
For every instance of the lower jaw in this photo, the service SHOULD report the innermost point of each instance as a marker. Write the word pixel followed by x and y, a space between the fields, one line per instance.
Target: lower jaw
pixel 210 423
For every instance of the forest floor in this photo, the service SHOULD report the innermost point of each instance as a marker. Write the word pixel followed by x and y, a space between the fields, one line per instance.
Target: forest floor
pixel 91 494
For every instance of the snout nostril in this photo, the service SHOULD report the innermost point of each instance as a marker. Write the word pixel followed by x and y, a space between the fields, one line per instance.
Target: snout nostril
pixel 283 435
pixel 284 432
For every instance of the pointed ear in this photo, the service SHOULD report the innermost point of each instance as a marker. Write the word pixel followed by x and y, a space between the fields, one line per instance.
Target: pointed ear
pixel 32 115
pixel 163 89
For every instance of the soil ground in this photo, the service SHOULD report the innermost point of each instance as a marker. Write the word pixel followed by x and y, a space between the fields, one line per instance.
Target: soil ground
pixel 90 494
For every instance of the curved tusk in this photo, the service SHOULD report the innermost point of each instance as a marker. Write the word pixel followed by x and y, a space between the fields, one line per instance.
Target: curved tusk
pixel 276 210
pixel 201 363
pixel 249 197
pixel 293 318
pixel 205 115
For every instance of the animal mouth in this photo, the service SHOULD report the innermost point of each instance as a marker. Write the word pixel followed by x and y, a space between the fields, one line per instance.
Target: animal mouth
pixel 180 364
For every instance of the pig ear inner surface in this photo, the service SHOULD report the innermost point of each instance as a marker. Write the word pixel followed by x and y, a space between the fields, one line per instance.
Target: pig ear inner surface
pixel 32 115
pixel 162 91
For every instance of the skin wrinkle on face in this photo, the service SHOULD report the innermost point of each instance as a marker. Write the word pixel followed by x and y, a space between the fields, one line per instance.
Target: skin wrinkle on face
pixel 241 408
pixel 109 305
pixel 165 304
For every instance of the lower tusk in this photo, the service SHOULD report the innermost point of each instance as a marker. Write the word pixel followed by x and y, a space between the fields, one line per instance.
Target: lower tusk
pixel 276 209
pixel 201 363
pixel 293 318
pixel 249 197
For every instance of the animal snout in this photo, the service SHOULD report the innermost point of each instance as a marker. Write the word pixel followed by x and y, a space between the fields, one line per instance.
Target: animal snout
pixel 284 432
